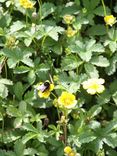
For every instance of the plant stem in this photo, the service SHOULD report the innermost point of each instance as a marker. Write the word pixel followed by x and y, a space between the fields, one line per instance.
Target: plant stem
pixel 104 8
pixel 26 18
pixel 40 10
pixel 65 128
pixel 2 128
pixel 65 134
pixel 105 13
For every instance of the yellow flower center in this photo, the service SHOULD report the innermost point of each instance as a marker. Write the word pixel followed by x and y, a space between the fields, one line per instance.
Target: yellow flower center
pixel 67 100
pixel 26 4
pixel 67 149
pixel 94 86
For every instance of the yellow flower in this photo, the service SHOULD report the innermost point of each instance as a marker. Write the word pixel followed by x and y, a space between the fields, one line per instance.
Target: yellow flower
pixel 72 154
pixel 26 4
pixel 68 19
pixel 110 20
pixel 67 150
pixel 67 100
pixel 70 32
pixel 94 85
pixel 44 92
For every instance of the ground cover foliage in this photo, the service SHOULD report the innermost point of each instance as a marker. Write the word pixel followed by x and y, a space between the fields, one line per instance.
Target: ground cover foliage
pixel 72 46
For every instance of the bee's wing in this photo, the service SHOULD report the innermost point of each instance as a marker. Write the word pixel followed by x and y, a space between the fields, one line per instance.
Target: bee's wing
pixel 41 88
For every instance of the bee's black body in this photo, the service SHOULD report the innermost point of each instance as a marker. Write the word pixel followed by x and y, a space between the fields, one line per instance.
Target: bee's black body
pixel 44 86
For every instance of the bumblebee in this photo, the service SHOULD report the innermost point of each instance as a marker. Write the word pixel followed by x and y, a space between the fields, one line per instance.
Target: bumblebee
pixel 43 89
pixel 44 86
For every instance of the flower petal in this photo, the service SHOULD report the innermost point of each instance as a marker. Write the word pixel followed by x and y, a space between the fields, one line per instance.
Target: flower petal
pixel 44 94
pixel 91 91
pixel 51 87
pixel 100 89
pixel 101 81
pixel 72 105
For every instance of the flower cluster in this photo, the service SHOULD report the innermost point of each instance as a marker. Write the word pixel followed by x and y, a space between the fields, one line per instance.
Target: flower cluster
pixel 68 19
pixel 69 151
pixel 26 4
pixel 94 85
pixel 70 32
pixel 110 20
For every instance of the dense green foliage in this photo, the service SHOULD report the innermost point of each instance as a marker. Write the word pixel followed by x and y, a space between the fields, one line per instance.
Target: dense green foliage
pixel 37 45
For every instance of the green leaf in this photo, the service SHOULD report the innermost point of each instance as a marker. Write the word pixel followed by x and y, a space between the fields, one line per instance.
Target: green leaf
pixel 28 62
pixel 21 69
pixel 112 34
pixel 96 145
pixel 111 126
pixel 94 111
pixel 103 98
pixel 3 91
pixel 97 30
pixel 85 50
pixel 81 51
pixel 70 62
pixel 5 19
pixel 93 124
pixel 12 111
pixel 17 122
pixel 6 81
pixel 112 40
pixel 46 9
pixel 91 70
pixel 57 49
pixel 10 136
pixel 53 32
pixel 54 142
pixel 100 61
pixel 31 77
pixel 100 11
pixel 112 87
pixel 111 152
pixel 18 90
pixel 30 151
pixel 28 41
pixel 7 153
pixel 28 137
pixel 86 137
pixel 77 2
pixel 113 46
pixel 115 8
pixel 43 67
pixel 18 25
pixel 1 32
pixel 19 148
pixel 60 151
pixel 16 55
pixel 29 127
pixel 114 96
pixel 98 48
pixel 23 107
pixel 71 83
pixel 113 65
pixel 111 140
pixel 2 1
pixel 29 96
